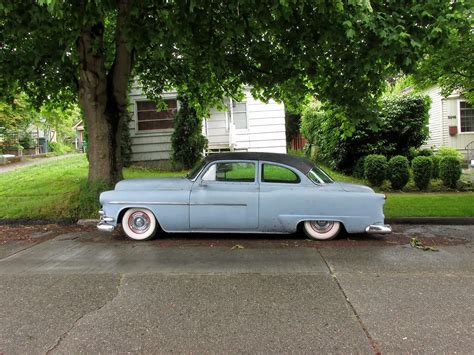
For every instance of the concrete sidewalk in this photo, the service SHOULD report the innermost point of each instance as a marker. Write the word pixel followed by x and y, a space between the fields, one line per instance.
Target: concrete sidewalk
pixel 25 163
pixel 92 292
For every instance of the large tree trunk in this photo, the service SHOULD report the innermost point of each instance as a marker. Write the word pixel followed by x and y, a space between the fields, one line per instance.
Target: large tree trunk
pixel 103 97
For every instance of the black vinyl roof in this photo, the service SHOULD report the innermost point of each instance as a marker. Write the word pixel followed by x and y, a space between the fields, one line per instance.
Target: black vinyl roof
pixel 301 164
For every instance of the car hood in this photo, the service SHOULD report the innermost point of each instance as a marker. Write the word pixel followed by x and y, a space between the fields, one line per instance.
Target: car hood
pixel 169 183
pixel 354 187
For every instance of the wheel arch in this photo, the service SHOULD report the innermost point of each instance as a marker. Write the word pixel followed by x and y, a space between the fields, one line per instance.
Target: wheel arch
pixel 125 208
pixel 300 224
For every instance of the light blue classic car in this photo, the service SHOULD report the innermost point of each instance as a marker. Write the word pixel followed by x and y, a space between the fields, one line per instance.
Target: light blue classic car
pixel 244 193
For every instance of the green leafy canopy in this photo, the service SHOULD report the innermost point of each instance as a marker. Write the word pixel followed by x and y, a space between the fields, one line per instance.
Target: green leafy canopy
pixel 338 51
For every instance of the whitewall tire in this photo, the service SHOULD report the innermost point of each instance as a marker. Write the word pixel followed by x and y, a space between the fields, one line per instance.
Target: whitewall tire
pixel 321 230
pixel 139 224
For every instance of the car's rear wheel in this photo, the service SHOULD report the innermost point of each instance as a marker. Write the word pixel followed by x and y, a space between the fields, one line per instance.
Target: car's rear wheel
pixel 321 230
pixel 139 224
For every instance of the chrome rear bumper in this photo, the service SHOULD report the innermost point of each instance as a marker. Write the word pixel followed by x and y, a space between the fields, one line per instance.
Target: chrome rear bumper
pixel 378 229
pixel 103 223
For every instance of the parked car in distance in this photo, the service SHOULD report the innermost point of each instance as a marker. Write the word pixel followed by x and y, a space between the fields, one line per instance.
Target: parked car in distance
pixel 244 193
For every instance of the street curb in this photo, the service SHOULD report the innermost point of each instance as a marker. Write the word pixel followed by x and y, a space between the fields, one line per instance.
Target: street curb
pixel 431 220
pixel 87 222
pixel 26 221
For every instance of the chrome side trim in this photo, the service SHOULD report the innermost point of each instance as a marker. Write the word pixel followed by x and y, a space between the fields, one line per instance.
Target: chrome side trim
pixel 219 204
pixel 147 203
pixel 378 229
pixel 174 203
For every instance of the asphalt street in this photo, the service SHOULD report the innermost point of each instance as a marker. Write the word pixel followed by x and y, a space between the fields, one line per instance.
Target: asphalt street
pixel 90 292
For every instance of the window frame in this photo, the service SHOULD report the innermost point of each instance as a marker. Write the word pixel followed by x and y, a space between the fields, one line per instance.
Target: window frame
pixel 206 169
pixel 296 172
pixel 459 117
pixel 156 130
pixel 246 114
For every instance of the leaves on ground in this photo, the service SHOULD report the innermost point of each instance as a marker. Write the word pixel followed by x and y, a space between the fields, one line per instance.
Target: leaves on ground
pixel 416 243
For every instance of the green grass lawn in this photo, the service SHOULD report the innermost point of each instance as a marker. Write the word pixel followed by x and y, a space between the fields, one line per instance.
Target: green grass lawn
pixel 52 191
pixel 447 204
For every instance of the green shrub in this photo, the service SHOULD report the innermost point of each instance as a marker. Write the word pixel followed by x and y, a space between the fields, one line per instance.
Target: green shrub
pixel 449 152
pixel 341 140
pixel 435 172
pixel 450 170
pixel 187 140
pixel 359 168
pixel 412 153
pixel 59 147
pixel 398 172
pixel 422 167
pixel 26 140
pixel 425 152
pixel 375 169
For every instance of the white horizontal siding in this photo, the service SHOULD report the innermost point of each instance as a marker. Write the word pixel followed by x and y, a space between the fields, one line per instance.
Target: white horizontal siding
pixel 151 139
pixel 277 149
pixel 151 156
pixel 265 132
pixel 266 129
pixel 216 128
pixel 435 123
pixel 149 148
pixel 445 138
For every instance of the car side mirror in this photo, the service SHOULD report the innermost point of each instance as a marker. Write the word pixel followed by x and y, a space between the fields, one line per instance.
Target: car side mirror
pixel 203 183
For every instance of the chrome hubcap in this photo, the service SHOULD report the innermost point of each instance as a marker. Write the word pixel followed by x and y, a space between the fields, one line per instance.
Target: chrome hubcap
pixel 322 226
pixel 139 222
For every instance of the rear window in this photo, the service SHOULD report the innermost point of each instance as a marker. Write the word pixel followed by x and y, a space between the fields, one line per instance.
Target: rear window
pixel 319 176
pixel 278 174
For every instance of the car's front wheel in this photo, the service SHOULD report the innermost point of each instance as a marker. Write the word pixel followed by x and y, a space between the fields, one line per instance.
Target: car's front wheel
pixel 139 224
pixel 322 230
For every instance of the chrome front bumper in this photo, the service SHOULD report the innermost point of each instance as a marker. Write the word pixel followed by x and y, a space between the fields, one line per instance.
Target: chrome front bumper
pixel 103 223
pixel 378 229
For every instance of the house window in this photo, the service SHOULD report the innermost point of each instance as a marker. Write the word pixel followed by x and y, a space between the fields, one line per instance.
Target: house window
pixel 466 116
pixel 149 118
pixel 239 111
pixel 279 174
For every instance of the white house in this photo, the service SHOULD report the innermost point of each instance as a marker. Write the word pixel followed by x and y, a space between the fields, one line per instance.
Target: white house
pixel 451 122
pixel 249 125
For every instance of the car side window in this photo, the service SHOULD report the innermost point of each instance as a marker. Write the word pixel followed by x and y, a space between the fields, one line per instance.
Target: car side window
pixel 231 172
pixel 279 174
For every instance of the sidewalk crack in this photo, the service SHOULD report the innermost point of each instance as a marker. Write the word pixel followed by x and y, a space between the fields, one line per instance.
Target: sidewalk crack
pixel 23 249
pixel 373 343
pixel 66 333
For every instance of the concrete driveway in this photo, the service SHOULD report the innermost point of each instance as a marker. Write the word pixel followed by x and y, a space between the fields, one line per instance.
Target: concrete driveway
pixel 89 292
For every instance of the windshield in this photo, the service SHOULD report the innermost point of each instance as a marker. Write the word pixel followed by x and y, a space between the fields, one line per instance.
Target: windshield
pixel 195 171
pixel 319 176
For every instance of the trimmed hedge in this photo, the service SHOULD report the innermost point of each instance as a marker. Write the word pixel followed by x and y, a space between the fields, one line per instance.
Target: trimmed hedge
pixel 450 170
pixel 435 171
pixel 425 152
pixel 375 169
pixel 398 172
pixel 422 167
